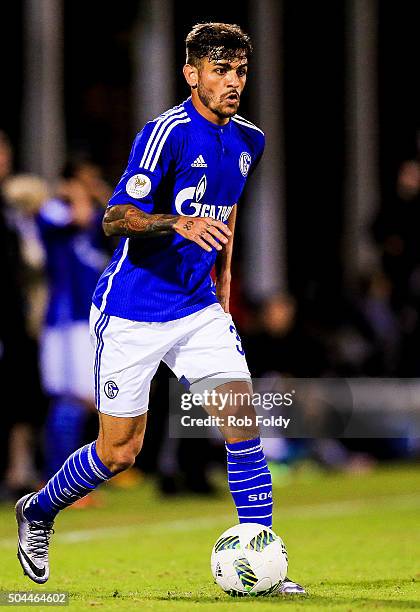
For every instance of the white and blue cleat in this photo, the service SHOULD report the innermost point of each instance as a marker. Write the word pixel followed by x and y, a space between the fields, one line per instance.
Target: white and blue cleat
pixel 33 543
pixel 288 587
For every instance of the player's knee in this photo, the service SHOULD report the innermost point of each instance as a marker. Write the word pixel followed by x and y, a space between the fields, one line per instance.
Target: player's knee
pixel 120 458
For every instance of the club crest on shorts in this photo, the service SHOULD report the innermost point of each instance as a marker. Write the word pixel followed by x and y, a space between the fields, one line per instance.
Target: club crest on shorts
pixel 244 163
pixel 111 389
pixel 138 186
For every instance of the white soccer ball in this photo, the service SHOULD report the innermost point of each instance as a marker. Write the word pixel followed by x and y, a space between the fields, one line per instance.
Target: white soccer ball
pixel 249 559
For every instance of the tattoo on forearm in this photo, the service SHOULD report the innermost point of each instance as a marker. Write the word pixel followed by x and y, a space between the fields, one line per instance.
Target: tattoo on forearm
pixel 127 220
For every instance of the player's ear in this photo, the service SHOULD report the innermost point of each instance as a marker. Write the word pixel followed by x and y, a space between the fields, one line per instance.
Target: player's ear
pixel 191 75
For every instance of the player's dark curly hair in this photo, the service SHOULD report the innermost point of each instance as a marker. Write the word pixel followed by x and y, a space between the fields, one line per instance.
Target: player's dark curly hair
pixel 217 41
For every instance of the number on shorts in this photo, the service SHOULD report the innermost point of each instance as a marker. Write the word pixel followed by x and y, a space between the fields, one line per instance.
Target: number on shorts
pixel 239 348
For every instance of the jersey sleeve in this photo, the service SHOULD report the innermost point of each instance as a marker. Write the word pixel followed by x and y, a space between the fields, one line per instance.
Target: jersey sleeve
pixel 150 160
pixel 259 146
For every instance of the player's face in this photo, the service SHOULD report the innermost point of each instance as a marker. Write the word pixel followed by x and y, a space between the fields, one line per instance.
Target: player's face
pixel 220 85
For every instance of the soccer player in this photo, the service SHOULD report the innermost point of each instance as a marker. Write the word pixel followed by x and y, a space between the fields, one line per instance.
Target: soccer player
pixel 175 209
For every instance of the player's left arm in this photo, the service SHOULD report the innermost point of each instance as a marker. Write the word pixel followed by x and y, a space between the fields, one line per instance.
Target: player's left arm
pixel 224 264
pixel 224 257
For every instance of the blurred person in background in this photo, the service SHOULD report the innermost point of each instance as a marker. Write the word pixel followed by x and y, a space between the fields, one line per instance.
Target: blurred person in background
pixel 366 337
pixel 282 344
pixel 90 176
pixel 374 304
pixel 18 354
pixel 75 248
pixel 396 231
pixel 25 194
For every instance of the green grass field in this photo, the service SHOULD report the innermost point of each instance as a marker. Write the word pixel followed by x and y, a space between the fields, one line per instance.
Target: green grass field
pixel 353 541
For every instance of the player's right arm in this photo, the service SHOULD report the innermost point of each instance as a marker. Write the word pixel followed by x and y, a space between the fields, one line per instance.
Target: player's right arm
pixel 130 212
pixel 128 220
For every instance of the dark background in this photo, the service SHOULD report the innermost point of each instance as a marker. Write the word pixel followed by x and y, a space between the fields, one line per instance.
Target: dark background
pixel 98 73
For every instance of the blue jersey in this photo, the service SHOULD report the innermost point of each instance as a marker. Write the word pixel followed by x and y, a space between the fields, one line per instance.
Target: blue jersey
pixel 182 164
pixel 75 258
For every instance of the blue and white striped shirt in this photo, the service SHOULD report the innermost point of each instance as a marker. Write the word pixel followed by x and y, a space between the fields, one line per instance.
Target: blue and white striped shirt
pixel 180 163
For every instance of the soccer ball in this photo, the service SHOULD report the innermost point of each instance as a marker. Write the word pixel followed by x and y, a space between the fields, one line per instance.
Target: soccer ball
pixel 249 559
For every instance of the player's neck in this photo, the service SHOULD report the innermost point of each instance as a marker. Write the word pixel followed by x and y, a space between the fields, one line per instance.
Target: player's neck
pixel 206 112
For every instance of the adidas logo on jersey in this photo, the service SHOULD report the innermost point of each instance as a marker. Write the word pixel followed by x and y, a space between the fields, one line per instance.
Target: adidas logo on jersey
pixel 199 162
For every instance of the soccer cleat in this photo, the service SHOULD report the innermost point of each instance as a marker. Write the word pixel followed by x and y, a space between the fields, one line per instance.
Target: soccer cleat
pixel 33 542
pixel 288 587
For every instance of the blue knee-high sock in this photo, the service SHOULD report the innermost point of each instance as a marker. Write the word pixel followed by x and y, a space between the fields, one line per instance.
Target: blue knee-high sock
pixel 63 432
pixel 250 482
pixel 81 473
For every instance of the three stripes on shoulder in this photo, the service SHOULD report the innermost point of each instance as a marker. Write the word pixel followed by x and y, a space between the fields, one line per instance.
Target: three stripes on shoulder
pixel 246 123
pixel 164 126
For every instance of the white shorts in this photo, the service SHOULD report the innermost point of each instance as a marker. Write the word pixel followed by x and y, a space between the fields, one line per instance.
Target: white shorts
pixel 127 354
pixel 66 357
